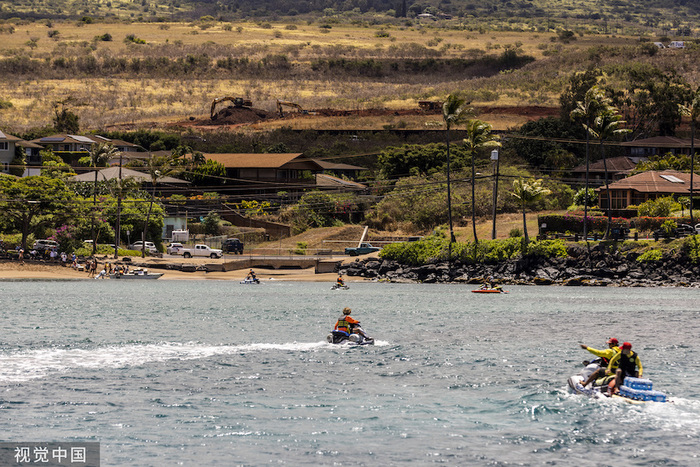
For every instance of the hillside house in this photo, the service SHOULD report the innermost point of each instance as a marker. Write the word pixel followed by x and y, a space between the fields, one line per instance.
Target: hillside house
pixel 646 186
pixel 72 147
pixel 618 168
pixel 7 151
pixel 657 146
pixel 164 186
pixel 268 168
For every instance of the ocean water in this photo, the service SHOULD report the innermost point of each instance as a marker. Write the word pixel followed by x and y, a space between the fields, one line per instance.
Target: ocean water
pixel 215 373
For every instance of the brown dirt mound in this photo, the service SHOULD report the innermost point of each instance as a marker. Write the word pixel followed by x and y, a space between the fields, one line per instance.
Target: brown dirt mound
pixel 235 115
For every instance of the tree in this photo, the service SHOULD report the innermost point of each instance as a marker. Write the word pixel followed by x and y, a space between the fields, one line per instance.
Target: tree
pixel 64 120
pixel 585 113
pixel 158 167
pixel 478 137
pixel 212 223
pixel 528 193
pixel 692 110
pixel 99 156
pixel 605 126
pixel 30 203
pixel 454 112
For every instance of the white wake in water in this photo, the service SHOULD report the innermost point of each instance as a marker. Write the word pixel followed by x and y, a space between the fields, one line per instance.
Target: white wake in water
pixel 31 364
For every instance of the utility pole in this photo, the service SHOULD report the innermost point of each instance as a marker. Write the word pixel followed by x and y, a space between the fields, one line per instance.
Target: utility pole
pixel 494 158
pixel 118 233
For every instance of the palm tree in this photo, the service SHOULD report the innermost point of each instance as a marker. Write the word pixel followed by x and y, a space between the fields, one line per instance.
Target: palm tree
pixel 692 111
pixel 98 156
pixel 607 125
pixel 455 111
pixel 586 111
pixel 478 137
pixel 158 167
pixel 528 193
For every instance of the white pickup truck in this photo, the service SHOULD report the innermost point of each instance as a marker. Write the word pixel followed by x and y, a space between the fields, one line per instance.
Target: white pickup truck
pixel 199 250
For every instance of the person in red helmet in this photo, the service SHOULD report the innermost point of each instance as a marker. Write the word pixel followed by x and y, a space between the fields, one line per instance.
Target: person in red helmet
pixel 628 364
pixel 606 355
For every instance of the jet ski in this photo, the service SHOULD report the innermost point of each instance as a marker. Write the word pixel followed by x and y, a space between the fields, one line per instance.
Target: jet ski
pixel 486 289
pixel 634 390
pixel 342 337
pixel 339 287
pixel 251 281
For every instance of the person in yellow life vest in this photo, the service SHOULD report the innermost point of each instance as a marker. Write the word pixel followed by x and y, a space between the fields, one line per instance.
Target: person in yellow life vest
pixel 606 355
pixel 349 324
pixel 628 364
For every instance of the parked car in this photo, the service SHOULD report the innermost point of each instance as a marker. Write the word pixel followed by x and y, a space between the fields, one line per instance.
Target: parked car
pixel 233 245
pixel 41 245
pixel 363 249
pixel 150 247
pixel 174 248
pixel 681 230
pixel 201 250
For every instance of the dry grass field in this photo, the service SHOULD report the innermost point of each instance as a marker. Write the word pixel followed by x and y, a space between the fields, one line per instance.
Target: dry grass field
pixel 155 101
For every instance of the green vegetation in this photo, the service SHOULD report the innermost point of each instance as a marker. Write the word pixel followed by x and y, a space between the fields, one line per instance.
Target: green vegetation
pixel 435 247
pixel 650 256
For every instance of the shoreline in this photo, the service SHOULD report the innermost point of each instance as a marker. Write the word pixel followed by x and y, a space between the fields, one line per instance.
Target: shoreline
pixel 30 270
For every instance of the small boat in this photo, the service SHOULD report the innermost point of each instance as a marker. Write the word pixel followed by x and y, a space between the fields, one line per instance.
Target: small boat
pixel 251 281
pixel 494 290
pixel 136 274
pixel 634 390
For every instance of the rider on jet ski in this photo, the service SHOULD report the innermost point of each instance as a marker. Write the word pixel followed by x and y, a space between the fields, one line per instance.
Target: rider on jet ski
pixel 339 282
pixel 349 324
pixel 605 355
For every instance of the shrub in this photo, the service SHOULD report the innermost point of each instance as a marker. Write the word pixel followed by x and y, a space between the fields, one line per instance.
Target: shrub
pixel 691 246
pixel 650 256
pixel 131 38
pixel 514 233
pixel 547 248
pixel 416 253
pixel 660 207
pixel 300 248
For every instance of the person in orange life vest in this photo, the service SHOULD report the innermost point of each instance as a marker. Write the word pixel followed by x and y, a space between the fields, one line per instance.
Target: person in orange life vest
pixel 628 365
pixel 606 355
pixel 349 324
pixel 339 281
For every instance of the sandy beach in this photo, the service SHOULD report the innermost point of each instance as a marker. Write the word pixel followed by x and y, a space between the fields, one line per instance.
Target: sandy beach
pixel 29 270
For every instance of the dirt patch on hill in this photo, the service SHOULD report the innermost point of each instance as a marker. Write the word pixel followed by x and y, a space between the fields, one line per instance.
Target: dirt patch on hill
pixel 236 116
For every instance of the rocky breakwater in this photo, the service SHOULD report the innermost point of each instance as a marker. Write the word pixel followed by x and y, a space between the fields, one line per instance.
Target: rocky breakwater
pixel 601 266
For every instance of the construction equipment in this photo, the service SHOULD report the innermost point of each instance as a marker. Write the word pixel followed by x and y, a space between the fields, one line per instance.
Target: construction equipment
pixel 238 102
pixel 282 104
pixel 430 105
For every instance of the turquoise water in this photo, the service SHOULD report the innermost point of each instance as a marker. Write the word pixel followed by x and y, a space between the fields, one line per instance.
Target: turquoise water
pixel 218 373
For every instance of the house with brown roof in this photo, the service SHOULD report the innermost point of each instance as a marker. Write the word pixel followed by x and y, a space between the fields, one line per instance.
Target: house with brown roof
pixel 618 168
pixel 646 186
pixel 658 146
pixel 280 168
